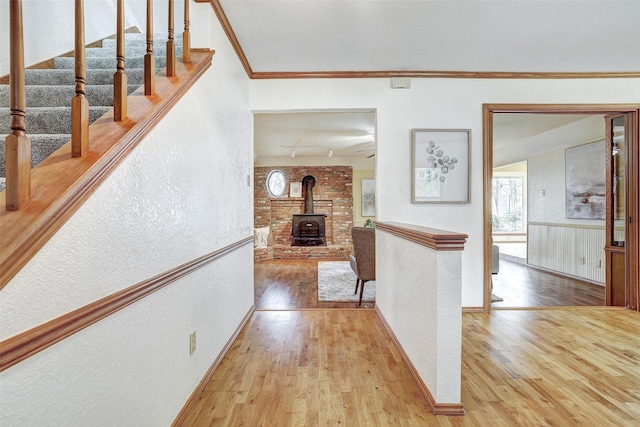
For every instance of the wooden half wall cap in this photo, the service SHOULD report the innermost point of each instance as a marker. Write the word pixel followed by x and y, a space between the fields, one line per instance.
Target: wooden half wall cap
pixel 440 240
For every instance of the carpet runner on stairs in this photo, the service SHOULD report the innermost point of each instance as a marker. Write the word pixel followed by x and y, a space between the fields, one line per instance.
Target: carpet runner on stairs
pixel 49 92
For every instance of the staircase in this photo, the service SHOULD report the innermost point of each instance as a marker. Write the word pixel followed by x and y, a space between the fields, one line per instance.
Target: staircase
pixel 49 92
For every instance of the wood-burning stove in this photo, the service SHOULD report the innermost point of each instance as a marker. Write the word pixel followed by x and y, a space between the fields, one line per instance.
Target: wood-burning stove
pixel 307 229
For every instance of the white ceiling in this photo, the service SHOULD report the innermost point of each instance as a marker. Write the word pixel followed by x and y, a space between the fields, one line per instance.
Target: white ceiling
pixel 425 36
pixel 313 133
pixel 437 35
pixel 519 136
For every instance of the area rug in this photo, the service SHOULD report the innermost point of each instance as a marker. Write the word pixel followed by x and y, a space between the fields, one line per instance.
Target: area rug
pixel 337 282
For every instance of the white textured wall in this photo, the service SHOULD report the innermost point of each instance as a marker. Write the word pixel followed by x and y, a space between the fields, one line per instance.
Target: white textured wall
pixel 418 293
pixel 181 194
pixel 546 173
pixel 433 103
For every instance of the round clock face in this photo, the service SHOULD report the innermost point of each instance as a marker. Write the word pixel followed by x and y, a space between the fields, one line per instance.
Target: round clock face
pixel 276 183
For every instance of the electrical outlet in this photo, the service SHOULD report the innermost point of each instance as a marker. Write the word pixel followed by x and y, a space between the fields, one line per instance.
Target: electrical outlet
pixel 192 342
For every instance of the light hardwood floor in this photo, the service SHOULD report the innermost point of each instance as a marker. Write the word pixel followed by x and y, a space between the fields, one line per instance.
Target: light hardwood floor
pixel 522 286
pixel 292 284
pixel 338 367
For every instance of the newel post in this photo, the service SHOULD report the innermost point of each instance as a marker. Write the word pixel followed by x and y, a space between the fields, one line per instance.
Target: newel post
pixel 17 143
pixel 186 36
pixel 79 103
pixel 120 78
pixel 171 46
pixel 149 59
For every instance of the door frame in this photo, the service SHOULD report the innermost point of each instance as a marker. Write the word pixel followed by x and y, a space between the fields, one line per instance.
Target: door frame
pixel 633 236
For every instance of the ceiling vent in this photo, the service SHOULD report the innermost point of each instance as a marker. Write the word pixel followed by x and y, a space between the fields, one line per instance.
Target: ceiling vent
pixel 400 82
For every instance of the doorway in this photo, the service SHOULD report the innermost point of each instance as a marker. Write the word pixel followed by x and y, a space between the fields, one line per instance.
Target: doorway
pixel 337 149
pixel 492 115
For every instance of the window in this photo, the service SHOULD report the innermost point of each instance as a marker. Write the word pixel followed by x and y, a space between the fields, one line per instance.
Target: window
pixel 508 205
pixel 276 183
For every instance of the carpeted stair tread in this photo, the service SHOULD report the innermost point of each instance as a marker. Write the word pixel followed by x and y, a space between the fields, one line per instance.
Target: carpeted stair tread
pixel 68 62
pixel 141 41
pixel 48 119
pixel 60 96
pixel 42 145
pixel 67 76
pixel 129 52
pixel 143 36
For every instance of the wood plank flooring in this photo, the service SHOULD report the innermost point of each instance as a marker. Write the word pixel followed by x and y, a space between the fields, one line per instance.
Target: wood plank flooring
pixel 338 367
pixel 522 286
pixel 292 284
pixel 312 368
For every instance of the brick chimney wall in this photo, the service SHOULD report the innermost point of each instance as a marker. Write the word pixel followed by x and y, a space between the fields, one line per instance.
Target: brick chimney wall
pixel 332 195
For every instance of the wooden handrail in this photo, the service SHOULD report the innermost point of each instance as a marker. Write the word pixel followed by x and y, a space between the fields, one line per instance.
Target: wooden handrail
pixel 17 143
pixel 149 59
pixel 120 77
pixel 186 36
pixel 80 103
pixel 171 45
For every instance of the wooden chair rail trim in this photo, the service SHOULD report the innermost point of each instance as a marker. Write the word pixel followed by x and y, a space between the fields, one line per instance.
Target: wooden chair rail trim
pixel 431 74
pixel 61 184
pixel 195 395
pixel 436 408
pixel 15 349
pixel 440 240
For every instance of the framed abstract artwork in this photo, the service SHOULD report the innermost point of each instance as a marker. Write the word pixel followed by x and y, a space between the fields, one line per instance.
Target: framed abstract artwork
pixel 368 197
pixel 441 165
pixel 585 181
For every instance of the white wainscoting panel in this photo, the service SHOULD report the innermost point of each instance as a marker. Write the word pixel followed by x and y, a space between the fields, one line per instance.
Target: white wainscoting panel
pixel 576 250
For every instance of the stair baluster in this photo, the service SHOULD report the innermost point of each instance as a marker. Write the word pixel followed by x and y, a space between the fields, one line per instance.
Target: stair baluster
pixel 149 59
pixel 17 143
pixel 120 78
pixel 80 103
pixel 171 46
pixel 186 36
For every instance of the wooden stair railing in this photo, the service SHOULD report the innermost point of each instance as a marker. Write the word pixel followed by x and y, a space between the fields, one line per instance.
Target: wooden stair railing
pixel 120 78
pixel 17 143
pixel 186 36
pixel 38 202
pixel 171 46
pixel 149 59
pixel 80 103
